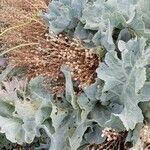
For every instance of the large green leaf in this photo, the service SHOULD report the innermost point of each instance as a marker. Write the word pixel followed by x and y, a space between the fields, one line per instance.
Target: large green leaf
pixel 23 110
pixel 125 79
pixel 70 115
pixel 63 14
pixel 93 135
pixel 87 19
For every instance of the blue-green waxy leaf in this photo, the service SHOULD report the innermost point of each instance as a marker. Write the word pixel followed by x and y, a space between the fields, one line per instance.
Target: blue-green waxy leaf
pixel 124 35
pixel 100 114
pixel 23 112
pixel 120 76
pixel 85 105
pixel 59 139
pixel 84 35
pixel 86 19
pixel 70 94
pixel 77 136
pixel 44 97
pixel 145 106
pixel 94 134
pixel 94 91
pixel 104 117
pixel 55 17
pixel 92 15
pixel 115 123
pixel 63 14
pixel 104 38
pixel 58 116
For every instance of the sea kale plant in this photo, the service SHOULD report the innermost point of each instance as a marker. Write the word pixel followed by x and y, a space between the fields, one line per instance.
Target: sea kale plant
pixel 120 96
pixel 100 22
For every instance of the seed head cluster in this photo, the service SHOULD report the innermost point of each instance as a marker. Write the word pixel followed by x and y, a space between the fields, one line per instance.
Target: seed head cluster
pixel 114 140
pixel 145 136
pixel 47 59
pixel 110 133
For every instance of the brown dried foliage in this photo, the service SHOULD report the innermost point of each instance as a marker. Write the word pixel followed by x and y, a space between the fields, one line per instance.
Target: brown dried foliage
pixel 50 53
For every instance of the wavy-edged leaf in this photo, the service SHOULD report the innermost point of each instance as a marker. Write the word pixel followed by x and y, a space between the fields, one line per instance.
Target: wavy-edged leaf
pixel 23 112
pixel 62 14
pixel 70 94
pixel 120 76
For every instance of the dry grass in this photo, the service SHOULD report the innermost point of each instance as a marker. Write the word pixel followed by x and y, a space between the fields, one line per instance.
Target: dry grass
pixel 25 37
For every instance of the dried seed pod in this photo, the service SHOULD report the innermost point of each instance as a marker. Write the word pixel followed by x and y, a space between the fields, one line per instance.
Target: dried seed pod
pixel 145 136
pixel 114 140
